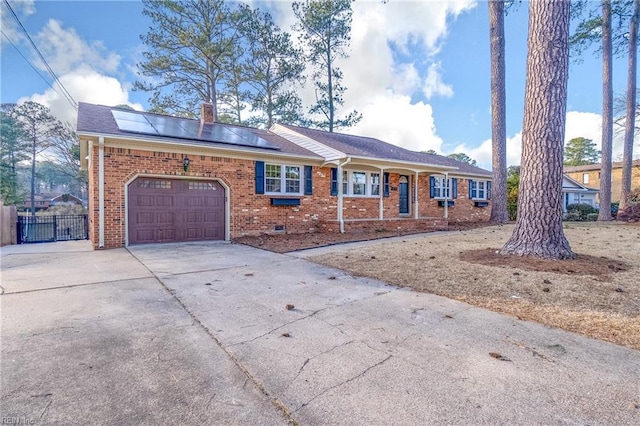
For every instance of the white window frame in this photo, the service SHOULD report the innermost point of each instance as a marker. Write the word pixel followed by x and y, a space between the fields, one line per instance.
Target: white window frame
pixel 348 183
pixel 441 192
pixel 480 193
pixel 585 178
pixel 283 179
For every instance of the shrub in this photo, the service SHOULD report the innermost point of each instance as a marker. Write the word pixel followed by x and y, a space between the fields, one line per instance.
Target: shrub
pixel 592 217
pixel 579 212
pixel 573 217
pixel 630 214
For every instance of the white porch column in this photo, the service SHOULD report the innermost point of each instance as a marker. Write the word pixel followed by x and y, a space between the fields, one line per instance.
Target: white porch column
pixel 446 198
pixel 101 192
pixel 415 190
pixel 340 194
pixel 381 202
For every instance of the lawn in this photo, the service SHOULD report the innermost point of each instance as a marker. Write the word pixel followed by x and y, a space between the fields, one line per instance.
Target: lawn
pixel 597 295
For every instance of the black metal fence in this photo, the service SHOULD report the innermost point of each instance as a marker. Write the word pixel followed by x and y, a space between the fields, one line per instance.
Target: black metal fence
pixel 41 229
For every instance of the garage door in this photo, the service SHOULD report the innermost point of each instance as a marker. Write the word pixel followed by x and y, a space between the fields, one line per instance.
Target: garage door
pixel 171 210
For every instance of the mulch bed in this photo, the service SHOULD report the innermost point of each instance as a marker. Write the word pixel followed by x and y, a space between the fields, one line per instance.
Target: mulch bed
pixel 284 243
pixel 583 264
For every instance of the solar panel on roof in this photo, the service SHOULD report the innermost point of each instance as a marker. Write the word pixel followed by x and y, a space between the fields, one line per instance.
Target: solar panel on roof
pixel 132 123
pixel 126 115
pixel 183 128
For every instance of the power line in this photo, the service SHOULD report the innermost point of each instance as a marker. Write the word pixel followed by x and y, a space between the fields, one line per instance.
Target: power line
pixel 65 92
pixel 30 64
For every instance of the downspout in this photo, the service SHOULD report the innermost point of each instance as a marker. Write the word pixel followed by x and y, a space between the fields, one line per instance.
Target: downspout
pixel 381 190
pixel 446 199
pixel 101 192
pixel 415 190
pixel 340 194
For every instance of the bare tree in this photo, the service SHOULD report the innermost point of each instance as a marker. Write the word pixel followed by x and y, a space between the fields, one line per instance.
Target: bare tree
pixel 538 231
pixel 42 131
pixel 627 156
pixel 499 212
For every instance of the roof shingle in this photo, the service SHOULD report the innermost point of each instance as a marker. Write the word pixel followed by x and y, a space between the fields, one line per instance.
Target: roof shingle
pixel 374 148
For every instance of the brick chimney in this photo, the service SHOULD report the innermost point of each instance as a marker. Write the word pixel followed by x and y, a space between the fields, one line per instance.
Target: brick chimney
pixel 206 113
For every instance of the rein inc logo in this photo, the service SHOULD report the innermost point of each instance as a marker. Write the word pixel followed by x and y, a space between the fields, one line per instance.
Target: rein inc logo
pixel 17 421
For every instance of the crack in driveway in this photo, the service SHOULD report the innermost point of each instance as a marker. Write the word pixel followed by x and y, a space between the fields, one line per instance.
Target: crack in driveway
pixel 343 383
pixel 279 327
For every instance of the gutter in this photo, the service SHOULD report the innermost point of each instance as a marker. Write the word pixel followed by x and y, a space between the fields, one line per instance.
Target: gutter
pixel 194 145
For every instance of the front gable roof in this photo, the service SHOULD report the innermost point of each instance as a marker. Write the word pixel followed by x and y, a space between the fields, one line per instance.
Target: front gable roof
pixel 572 184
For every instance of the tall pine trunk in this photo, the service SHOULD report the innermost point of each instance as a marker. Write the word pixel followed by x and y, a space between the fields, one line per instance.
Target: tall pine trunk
pixel 538 231
pixel 607 114
pixel 499 212
pixel 627 156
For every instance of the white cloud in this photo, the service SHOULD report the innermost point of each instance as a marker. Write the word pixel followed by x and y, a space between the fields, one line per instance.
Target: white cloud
pixel 589 125
pixel 379 85
pixel 405 80
pixel 22 9
pixel 433 84
pixel 85 69
pixel 65 50
pixel 85 85
pixel 413 126
pixel 578 124
pixel 483 153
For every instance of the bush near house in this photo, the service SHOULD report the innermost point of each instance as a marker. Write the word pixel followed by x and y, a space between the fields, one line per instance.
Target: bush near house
pixel 581 212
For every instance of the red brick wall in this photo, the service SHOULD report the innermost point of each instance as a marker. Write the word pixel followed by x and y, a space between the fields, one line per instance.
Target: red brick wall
pixel 463 210
pixel 250 213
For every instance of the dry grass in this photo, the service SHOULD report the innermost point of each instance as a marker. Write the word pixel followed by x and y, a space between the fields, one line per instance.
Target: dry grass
pixel 598 295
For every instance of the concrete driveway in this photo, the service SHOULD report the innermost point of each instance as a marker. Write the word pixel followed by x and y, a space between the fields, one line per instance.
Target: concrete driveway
pixel 200 333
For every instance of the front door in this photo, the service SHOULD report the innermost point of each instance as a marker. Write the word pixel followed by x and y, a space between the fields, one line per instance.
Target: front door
pixel 404 194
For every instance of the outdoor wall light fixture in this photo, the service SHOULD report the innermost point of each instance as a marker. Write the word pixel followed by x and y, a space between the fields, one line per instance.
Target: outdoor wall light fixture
pixel 185 163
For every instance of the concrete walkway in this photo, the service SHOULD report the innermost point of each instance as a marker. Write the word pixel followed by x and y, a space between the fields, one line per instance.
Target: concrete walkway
pixel 201 333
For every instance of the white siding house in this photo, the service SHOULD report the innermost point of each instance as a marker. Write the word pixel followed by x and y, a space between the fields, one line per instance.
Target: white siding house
pixel 573 192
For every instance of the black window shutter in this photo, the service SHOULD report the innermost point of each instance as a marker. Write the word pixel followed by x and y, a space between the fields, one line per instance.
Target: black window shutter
pixel 334 181
pixel 471 190
pixel 259 177
pixel 386 184
pixel 432 186
pixel 454 183
pixel 488 190
pixel 308 180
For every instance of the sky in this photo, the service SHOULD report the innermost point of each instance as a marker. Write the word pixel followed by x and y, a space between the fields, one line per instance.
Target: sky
pixel 418 71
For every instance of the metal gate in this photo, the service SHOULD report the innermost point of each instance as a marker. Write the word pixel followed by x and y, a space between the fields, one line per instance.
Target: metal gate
pixel 41 229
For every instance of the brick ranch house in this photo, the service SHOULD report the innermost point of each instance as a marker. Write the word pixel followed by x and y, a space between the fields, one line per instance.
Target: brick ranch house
pixel 156 178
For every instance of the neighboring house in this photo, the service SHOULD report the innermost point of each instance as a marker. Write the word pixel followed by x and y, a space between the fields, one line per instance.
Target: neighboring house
pixel 574 192
pixel 590 175
pixel 44 201
pixel 155 178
